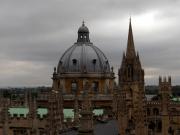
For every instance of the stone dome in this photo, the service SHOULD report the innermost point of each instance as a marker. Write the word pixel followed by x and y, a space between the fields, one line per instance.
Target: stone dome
pixel 83 56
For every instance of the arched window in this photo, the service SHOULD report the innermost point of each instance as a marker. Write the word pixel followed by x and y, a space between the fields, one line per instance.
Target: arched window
pixel 95 86
pixel 130 71
pixel 74 61
pixel 94 63
pixel 74 86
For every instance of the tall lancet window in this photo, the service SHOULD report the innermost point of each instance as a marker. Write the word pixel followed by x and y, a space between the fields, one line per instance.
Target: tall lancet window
pixel 130 71
pixel 74 63
pixel 95 86
pixel 94 64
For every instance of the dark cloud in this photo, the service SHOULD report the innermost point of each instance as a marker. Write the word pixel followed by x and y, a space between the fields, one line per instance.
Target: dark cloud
pixel 34 34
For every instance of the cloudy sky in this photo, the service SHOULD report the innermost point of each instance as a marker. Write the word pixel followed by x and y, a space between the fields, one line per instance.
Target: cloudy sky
pixel 35 33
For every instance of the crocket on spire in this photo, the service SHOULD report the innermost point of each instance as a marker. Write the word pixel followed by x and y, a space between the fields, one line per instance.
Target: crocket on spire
pixel 130 52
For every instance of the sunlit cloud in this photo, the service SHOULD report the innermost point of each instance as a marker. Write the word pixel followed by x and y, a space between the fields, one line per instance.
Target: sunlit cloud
pixel 145 21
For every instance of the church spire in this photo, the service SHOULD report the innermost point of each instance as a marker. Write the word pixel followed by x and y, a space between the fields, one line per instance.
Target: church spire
pixel 130 52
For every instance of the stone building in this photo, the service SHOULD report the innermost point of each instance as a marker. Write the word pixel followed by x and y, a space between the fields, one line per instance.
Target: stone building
pixel 84 62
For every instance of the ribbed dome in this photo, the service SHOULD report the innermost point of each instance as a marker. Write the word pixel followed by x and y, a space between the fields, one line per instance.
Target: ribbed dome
pixel 84 58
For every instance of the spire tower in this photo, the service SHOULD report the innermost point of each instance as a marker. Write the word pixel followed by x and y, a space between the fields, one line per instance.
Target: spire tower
pixel 131 92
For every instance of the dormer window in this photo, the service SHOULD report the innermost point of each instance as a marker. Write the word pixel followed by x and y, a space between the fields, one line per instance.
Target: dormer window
pixel 94 61
pixel 74 61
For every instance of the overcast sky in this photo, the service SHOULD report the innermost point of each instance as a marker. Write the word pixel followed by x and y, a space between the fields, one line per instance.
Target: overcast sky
pixel 35 33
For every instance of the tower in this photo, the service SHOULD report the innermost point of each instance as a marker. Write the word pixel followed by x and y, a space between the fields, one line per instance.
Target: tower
pixel 165 85
pixel 131 106
pixel 165 89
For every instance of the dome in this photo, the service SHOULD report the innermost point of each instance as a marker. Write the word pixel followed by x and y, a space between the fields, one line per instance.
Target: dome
pixel 83 56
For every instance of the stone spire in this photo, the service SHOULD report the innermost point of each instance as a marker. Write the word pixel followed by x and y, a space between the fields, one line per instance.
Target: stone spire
pixel 130 52
pixel 131 69
pixel 131 92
